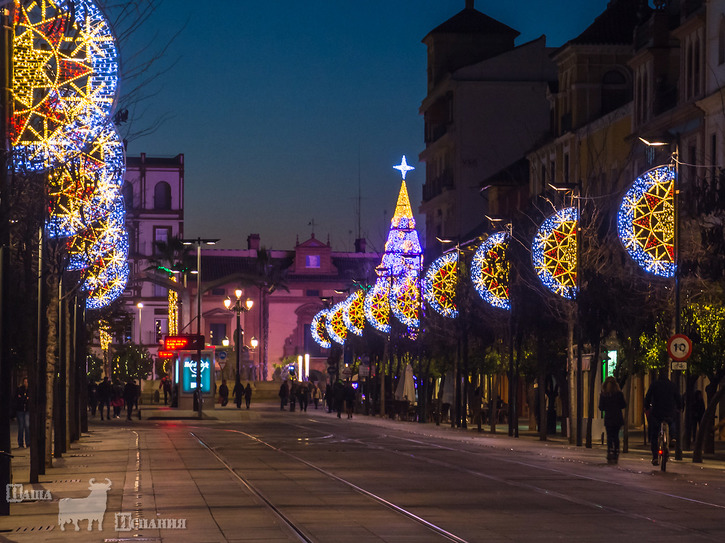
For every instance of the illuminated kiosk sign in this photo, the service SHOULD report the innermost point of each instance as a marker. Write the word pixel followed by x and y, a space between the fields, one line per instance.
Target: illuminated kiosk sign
pixel 188 366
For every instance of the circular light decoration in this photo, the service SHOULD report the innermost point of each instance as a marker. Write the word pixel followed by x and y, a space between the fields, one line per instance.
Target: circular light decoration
pixel 646 221
pixel 377 306
pixel 354 312
pixel 318 329
pixel 405 301
pixel 490 271
pixel 336 324
pixel 439 286
pixel 554 252
pixel 65 78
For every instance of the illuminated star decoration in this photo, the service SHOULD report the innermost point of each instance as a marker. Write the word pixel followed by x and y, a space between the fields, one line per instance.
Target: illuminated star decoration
pixel 65 79
pixel 318 329
pixel 336 325
pixel 439 285
pixel 403 167
pixel 554 252
pixel 490 271
pixel 646 221
pixel 354 312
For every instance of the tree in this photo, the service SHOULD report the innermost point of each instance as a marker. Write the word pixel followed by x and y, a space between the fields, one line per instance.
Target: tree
pixel 132 361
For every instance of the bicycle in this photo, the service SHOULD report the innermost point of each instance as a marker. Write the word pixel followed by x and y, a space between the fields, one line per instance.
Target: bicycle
pixel 663 445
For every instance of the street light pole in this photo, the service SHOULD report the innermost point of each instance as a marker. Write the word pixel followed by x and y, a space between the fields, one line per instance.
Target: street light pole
pixel 198 242
pixel 239 307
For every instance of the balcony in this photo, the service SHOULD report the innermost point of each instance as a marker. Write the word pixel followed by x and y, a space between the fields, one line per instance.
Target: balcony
pixel 436 186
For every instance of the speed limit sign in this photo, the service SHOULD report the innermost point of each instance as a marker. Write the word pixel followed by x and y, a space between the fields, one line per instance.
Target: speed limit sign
pixel 679 347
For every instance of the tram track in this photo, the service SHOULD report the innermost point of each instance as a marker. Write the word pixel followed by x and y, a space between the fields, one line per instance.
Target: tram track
pixel 442 464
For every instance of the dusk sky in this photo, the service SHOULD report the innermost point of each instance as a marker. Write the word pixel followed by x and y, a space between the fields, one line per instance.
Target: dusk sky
pixel 280 107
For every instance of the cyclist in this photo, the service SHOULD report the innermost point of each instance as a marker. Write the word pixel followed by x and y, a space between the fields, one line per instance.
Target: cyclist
pixel 663 403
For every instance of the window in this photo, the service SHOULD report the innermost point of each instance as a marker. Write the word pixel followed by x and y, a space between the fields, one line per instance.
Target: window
pixel 312 261
pixel 218 292
pixel 312 292
pixel 160 291
pixel 217 333
pixel 162 196
pixel 161 235
pixel 615 91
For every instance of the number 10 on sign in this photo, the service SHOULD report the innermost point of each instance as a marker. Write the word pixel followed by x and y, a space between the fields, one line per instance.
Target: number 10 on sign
pixel 679 347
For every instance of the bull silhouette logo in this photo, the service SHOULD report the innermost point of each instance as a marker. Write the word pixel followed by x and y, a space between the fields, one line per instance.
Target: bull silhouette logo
pixel 90 508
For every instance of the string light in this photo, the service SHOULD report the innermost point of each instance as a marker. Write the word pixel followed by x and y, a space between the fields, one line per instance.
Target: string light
pixel 554 252
pixel 354 313
pixel 377 305
pixel 490 270
pixel 318 329
pixel 336 325
pixel 646 221
pixel 65 79
pixel 439 285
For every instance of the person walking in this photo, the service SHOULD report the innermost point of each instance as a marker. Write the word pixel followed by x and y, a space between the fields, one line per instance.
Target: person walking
pixel 248 395
pixel 349 399
pixel 283 395
pixel 22 408
pixel 303 396
pixel 129 396
pixel 104 397
pixel 166 387
pixel 612 401
pixel 223 393
pixel 92 397
pixel 315 394
pixel 238 393
pixel 117 398
pixel 338 395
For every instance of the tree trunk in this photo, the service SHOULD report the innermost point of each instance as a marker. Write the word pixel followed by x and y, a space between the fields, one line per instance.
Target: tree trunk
pixel 571 382
pixel 51 364
pixel 707 423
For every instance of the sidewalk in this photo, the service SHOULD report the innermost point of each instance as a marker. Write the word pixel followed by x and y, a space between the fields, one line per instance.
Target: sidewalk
pixel 136 463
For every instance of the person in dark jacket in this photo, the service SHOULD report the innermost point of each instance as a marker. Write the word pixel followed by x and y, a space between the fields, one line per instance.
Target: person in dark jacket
pixel 611 401
pixel 238 393
pixel 129 396
pixel 105 392
pixel 283 393
pixel 223 393
pixel 22 409
pixel 338 395
pixel 92 397
pixel 248 395
pixel 663 403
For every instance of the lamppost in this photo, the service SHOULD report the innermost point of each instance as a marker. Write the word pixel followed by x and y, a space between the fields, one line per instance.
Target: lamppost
pixel 254 342
pixel 239 306
pixel 140 329
pixel 198 242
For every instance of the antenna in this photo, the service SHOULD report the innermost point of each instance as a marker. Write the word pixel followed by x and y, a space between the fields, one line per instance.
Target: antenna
pixel 359 197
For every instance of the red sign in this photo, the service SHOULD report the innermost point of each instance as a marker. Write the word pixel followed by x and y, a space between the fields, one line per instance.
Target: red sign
pixel 166 354
pixel 191 342
pixel 679 347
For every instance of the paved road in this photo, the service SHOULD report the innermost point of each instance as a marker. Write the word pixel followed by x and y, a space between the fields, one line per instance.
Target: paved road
pixel 266 475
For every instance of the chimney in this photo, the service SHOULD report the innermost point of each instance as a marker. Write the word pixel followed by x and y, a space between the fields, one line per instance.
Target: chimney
pixel 253 242
pixel 360 245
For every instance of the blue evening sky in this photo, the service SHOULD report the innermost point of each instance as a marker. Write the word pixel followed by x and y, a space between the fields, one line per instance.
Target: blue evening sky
pixel 280 107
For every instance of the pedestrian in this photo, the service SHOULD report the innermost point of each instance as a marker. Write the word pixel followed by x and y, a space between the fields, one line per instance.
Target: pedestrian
pixel 224 393
pixel 303 396
pixel 92 397
pixel 697 410
pixel 349 399
pixel 166 387
pixel 338 397
pixel 315 394
pixel 238 392
pixel 283 395
pixel 105 394
pixel 129 396
pixel 329 400
pixel 664 404
pixel 248 395
pixel 611 401
pixel 22 408
pixel 117 398
pixel 292 396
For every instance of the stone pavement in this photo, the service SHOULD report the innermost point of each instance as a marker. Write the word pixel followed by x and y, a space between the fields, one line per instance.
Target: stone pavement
pixel 134 463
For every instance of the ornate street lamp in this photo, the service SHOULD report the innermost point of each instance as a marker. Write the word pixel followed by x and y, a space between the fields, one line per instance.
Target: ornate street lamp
pixel 239 306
